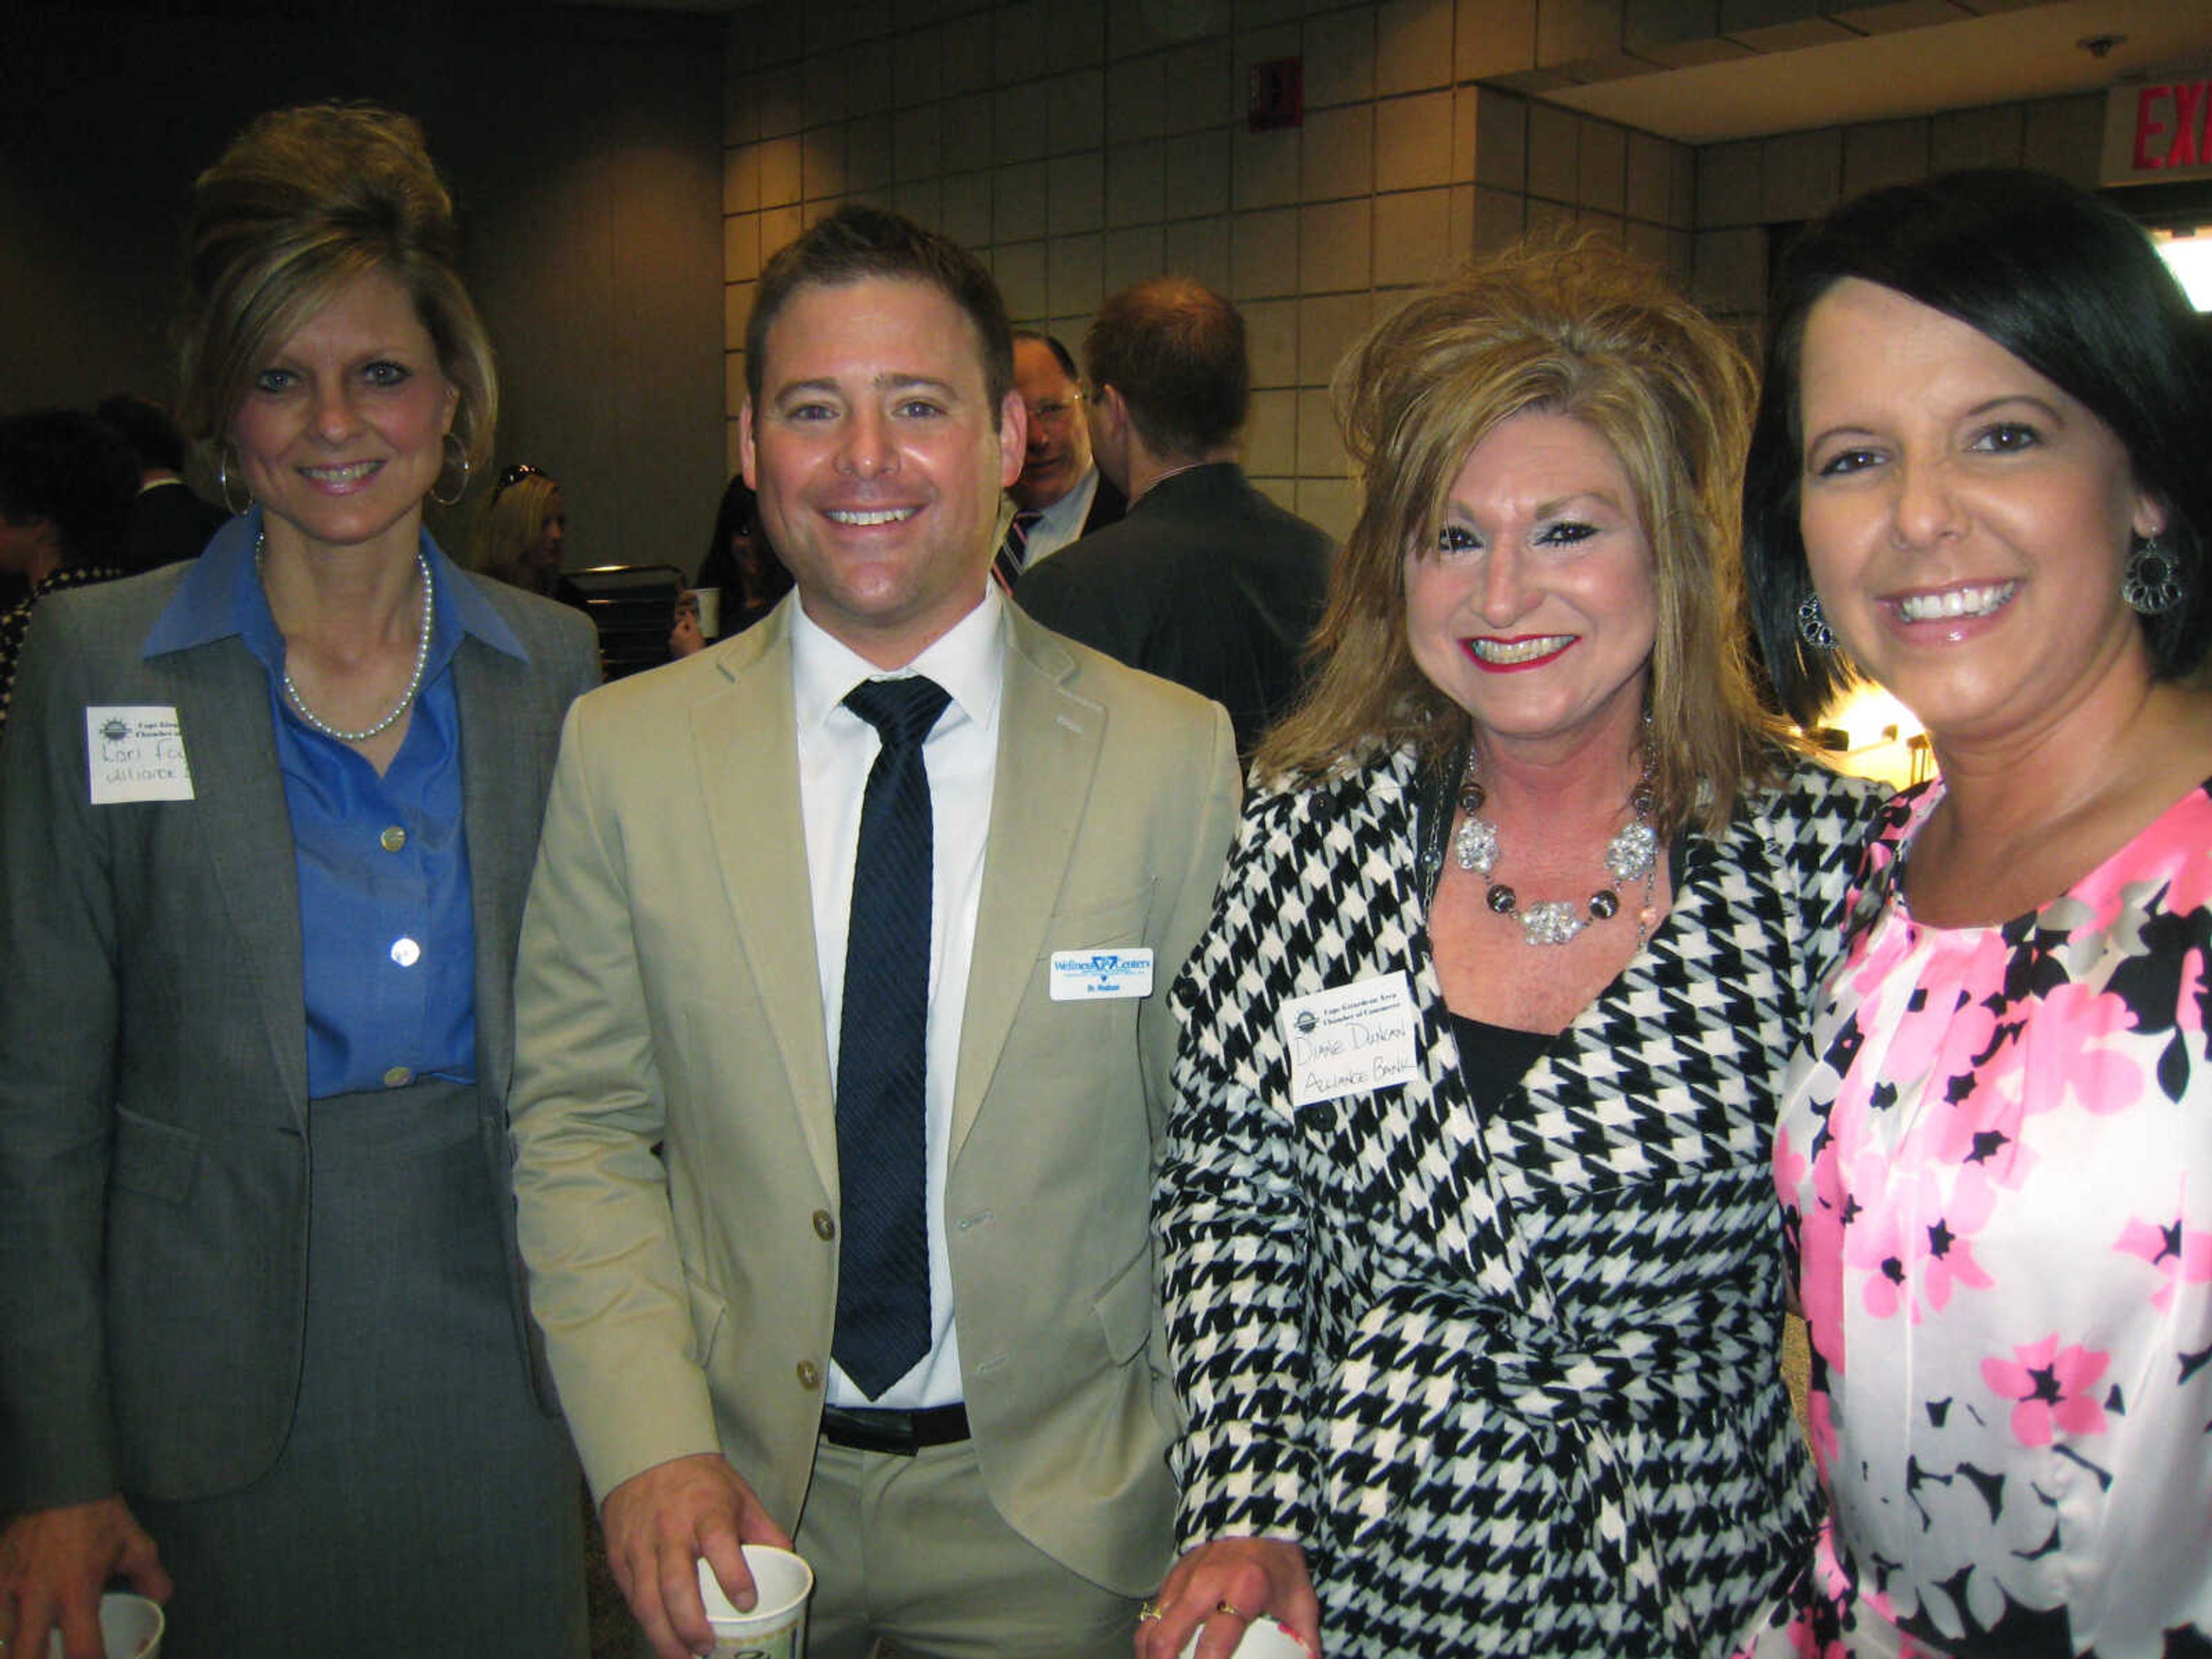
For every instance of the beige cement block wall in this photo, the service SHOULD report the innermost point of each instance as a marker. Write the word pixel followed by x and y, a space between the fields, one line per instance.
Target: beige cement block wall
pixel 1077 146
pixel 1080 145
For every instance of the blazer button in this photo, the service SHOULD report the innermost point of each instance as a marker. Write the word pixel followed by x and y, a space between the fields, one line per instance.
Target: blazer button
pixel 824 1228
pixel 810 1375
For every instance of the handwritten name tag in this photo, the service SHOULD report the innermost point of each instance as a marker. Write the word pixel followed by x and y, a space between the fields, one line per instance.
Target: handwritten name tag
pixel 1093 975
pixel 135 751
pixel 1350 1039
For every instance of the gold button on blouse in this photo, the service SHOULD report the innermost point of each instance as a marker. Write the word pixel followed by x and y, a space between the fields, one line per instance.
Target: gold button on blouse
pixel 810 1375
pixel 824 1228
pixel 392 839
pixel 397 1076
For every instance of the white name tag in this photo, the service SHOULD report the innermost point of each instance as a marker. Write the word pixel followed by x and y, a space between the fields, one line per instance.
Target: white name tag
pixel 1091 976
pixel 1350 1039
pixel 135 751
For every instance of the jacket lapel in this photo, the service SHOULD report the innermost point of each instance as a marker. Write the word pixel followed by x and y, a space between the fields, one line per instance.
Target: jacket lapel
pixel 1050 739
pixel 223 708
pixel 747 755
pixel 496 804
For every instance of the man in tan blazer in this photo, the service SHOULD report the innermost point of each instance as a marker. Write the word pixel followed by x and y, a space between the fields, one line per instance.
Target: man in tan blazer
pixel 689 1182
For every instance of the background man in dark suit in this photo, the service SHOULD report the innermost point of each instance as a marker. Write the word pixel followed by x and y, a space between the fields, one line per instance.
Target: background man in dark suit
pixel 1060 495
pixel 1205 581
pixel 169 522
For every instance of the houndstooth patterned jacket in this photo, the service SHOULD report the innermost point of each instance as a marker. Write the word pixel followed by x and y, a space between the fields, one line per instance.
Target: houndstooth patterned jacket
pixel 1511 1382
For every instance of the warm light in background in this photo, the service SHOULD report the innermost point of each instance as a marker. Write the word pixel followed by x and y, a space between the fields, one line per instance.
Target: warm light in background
pixel 1882 739
pixel 2190 259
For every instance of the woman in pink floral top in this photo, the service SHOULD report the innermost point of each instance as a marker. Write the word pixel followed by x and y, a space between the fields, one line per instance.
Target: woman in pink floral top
pixel 1979 477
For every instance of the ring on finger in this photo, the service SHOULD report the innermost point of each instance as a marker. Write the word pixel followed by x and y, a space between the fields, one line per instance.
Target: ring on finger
pixel 1149 1613
pixel 1232 1610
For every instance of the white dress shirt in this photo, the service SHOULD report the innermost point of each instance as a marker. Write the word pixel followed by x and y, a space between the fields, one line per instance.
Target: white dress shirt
pixel 836 748
pixel 1062 522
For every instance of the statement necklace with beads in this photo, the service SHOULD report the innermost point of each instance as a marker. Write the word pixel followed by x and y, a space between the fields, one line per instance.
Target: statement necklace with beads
pixel 1631 855
pixel 413 680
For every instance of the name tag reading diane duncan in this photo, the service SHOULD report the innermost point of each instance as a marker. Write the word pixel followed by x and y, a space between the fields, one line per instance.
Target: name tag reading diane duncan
pixel 1350 1039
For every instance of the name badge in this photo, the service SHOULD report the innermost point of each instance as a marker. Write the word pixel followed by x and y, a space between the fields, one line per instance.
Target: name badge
pixel 1350 1039
pixel 1096 975
pixel 135 751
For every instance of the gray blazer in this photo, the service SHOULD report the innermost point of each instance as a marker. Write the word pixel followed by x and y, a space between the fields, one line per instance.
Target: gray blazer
pixel 153 1043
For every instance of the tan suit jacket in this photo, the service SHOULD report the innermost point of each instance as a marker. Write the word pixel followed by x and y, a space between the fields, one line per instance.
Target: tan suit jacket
pixel 668 997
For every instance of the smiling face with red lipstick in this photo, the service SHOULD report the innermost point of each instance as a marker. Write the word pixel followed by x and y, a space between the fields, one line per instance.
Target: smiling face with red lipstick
pixel 1535 610
pixel 1965 520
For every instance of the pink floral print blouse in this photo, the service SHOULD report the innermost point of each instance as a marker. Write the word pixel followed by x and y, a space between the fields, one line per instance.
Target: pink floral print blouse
pixel 1995 1162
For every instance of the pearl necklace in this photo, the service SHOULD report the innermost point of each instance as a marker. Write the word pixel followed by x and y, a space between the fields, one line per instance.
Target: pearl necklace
pixel 413 680
pixel 1633 852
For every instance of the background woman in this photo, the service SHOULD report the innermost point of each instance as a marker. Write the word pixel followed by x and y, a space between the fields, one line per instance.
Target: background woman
pixel 1982 440
pixel 740 566
pixel 266 820
pixel 521 537
pixel 1488 1348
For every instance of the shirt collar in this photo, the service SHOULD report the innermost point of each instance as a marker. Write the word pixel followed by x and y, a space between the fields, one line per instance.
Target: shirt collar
pixel 967 659
pixel 222 598
pixel 1068 514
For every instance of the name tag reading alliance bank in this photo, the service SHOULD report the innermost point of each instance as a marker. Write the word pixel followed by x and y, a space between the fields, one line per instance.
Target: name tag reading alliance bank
pixel 1101 975
pixel 1350 1039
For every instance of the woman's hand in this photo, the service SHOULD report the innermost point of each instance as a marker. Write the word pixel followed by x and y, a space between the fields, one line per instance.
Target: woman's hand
pixel 54 1564
pixel 1223 1586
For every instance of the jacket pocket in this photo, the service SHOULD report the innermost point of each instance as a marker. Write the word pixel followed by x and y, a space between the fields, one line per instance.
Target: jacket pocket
pixel 1125 1309
pixel 156 1160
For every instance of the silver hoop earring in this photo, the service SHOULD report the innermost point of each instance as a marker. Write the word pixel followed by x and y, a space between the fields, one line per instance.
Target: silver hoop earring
pixel 1812 625
pixel 460 455
pixel 222 483
pixel 2152 582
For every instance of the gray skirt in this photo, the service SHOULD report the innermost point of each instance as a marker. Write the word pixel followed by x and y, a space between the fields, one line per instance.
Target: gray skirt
pixel 423 1505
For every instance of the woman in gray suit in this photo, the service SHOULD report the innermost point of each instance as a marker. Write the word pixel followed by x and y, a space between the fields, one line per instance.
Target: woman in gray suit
pixel 265 823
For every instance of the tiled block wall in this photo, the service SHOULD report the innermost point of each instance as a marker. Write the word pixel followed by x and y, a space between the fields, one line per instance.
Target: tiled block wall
pixel 1078 145
pixel 1743 188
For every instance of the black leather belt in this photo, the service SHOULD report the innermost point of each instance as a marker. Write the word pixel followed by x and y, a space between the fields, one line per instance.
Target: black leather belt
pixel 901 1433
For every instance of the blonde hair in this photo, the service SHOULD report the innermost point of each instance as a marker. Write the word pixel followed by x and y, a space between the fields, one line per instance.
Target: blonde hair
pixel 303 203
pixel 1577 329
pixel 512 522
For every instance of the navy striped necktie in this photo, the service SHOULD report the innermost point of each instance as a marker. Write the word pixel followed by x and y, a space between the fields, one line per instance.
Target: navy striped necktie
pixel 883 1263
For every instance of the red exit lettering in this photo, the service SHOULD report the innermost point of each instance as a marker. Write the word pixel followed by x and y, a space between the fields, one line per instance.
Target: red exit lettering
pixel 2175 113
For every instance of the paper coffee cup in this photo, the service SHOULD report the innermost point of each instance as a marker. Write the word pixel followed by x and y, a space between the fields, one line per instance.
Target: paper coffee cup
pixel 776 1627
pixel 129 1627
pixel 710 610
pixel 1263 1639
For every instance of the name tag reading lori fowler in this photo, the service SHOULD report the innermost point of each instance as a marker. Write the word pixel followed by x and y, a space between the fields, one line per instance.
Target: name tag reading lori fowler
pixel 1093 975
pixel 1350 1039
pixel 135 751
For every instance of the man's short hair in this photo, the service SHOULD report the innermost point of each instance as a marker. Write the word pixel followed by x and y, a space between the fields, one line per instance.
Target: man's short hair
pixel 1060 354
pixel 1175 350
pixel 856 243
pixel 150 430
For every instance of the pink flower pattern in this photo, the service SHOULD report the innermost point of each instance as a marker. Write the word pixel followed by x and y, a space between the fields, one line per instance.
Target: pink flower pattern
pixel 1995 1163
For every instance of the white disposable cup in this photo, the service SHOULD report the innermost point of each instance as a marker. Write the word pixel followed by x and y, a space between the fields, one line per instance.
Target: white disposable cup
pixel 129 1627
pixel 776 1627
pixel 1263 1639
pixel 710 610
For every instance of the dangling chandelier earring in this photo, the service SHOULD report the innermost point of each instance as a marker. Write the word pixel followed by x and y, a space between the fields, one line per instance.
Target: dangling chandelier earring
pixel 2152 583
pixel 1813 624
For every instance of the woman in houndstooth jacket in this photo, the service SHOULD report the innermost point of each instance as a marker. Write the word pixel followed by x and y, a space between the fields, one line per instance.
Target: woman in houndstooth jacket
pixel 1472 1263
